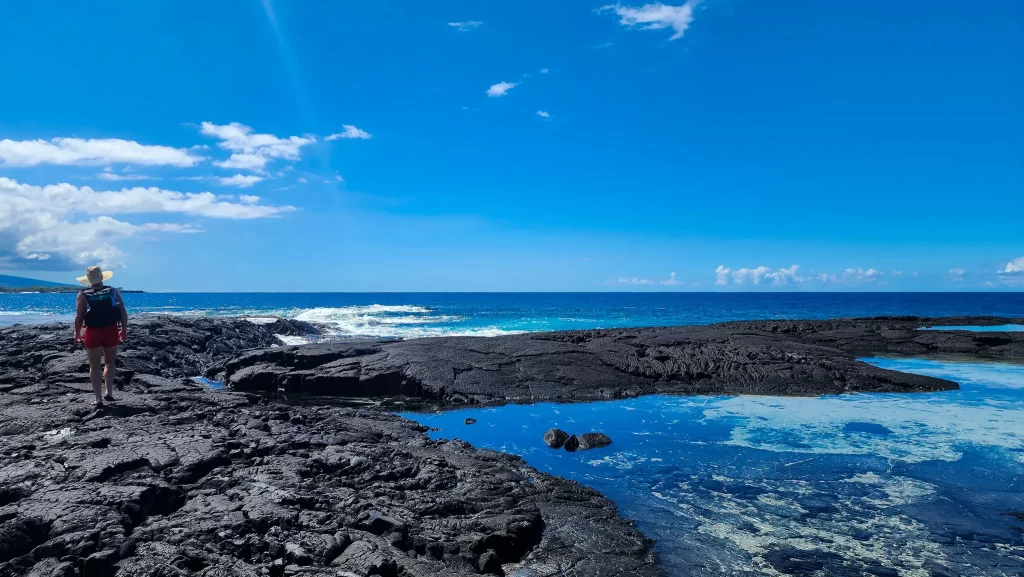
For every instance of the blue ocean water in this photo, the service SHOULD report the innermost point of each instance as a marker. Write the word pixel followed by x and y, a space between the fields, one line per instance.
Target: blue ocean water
pixel 487 314
pixel 872 484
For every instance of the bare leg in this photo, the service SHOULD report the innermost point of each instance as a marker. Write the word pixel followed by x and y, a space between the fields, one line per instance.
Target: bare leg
pixel 95 356
pixel 110 371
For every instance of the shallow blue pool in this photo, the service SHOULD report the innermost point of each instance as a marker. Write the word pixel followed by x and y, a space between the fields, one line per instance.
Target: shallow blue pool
pixel 847 485
pixel 977 328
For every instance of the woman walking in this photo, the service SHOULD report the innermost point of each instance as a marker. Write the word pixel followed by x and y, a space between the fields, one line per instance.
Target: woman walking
pixel 101 310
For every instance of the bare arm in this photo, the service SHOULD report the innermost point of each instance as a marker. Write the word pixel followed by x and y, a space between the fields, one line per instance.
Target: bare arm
pixel 80 309
pixel 124 317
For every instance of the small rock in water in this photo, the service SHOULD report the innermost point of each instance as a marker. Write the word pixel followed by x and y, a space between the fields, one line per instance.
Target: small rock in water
pixel 571 444
pixel 594 441
pixel 470 421
pixel 555 438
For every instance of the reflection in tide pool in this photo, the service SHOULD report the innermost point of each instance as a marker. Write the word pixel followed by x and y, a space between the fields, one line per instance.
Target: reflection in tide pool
pixel 925 484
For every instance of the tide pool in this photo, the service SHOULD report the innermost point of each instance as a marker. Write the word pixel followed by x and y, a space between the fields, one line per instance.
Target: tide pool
pixel 879 484
pixel 978 329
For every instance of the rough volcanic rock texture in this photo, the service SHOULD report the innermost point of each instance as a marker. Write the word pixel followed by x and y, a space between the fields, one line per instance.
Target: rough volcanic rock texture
pixel 174 480
pixel 770 357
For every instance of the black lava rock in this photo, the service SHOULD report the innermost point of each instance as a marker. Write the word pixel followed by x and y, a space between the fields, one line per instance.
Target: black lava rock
pixel 470 420
pixel 571 444
pixel 555 438
pixel 593 441
pixel 753 357
pixel 175 479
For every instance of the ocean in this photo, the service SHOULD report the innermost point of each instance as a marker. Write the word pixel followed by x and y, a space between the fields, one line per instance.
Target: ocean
pixel 409 315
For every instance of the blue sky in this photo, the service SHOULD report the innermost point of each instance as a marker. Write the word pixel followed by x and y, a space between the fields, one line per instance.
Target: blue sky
pixel 515 146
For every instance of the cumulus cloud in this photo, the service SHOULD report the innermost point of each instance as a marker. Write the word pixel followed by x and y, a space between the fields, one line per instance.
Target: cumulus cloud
pixel 250 150
pixel 636 281
pixel 956 274
pixel 66 224
pixel 861 274
pixel 465 26
pixel 671 280
pixel 500 89
pixel 722 275
pixel 763 275
pixel 1013 272
pixel 544 70
pixel 1015 266
pixel 92 152
pixel 240 180
pixel 350 132
pixel 656 16
pixel 543 114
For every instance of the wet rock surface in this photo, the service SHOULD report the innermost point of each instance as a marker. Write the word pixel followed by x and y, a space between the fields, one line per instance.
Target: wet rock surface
pixel 589 441
pixel 174 479
pixel 761 357
pixel 555 438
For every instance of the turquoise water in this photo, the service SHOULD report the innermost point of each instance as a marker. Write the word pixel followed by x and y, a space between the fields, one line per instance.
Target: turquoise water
pixel 977 329
pixel 879 484
pixel 488 314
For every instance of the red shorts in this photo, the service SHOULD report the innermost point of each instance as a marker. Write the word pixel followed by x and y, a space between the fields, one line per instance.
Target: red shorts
pixel 102 337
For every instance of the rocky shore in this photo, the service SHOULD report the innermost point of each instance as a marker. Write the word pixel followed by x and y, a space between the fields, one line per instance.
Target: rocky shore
pixel 174 479
pixel 767 358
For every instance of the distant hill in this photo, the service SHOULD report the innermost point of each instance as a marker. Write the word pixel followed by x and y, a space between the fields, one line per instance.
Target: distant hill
pixel 20 282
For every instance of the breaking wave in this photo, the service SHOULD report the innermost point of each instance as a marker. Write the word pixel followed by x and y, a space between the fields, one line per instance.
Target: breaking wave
pixel 400 321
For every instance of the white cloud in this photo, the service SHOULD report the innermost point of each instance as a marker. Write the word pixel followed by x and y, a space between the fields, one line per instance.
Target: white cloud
pixel 635 281
pixel 66 224
pixel 762 273
pixel 113 176
pixel 500 89
pixel 956 274
pixel 465 26
pixel 544 70
pixel 1015 266
pixel 303 180
pixel 897 273
pixel 861 274
pixel 252 151
pixel 243 161
pixel 543 114
pixel 671 280
pixel 722 275
pixel 239 180
pixel 92 152
pixel 656 16
pixel 248 199
pixel 350 132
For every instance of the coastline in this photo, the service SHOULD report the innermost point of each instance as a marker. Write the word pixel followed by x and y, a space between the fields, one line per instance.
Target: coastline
pixel 175 475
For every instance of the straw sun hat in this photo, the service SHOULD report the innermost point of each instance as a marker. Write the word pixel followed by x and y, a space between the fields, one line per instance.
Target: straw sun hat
pixel 95 275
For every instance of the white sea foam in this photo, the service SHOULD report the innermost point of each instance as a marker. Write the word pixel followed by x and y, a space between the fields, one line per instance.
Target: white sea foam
pixel 293 340
pixel 261 320
pixel 404 321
